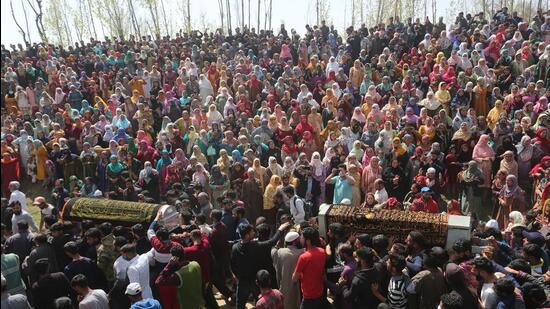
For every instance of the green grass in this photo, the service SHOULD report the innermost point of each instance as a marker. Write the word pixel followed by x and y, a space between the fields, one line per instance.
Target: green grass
pixel 33 190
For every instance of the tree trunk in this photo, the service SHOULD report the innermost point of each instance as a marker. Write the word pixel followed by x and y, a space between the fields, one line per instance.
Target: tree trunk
pixel 434 10
pixel 91 18
pixel 21 31
pixel 242 14
pixel 270 13
pixel 317 11
pixel 228 9
pixel 220 6
pixel 259 6
pixel 39 14
pixel 135 23
pixel 164 17
pixel 189 16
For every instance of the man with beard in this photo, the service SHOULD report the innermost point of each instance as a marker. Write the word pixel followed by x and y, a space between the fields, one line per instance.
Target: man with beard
pixel 20 215
pixel 284 260
pixel 427 202
pixel 416 243
pixel 428 285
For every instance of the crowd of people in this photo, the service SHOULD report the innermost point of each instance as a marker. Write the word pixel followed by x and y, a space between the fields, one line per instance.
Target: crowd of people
pixel 247 134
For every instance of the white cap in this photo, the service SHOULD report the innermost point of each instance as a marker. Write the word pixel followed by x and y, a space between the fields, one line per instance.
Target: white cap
pixel 291 236
pixel 346 201
pixel 98 193
pixel 492 224
pixel 133 289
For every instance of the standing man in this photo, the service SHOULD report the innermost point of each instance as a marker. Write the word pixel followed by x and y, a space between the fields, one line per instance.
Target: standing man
pixel 244 259
pixel 186 276
pixel 343 184
pixel 18 196
pixel 310 270
pixel 284 260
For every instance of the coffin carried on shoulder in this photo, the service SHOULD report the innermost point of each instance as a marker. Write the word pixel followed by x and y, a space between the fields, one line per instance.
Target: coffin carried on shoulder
pixel 117 212
pixel 439 229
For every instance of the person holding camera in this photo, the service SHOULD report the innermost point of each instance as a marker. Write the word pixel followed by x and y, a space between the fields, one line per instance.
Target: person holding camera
pixel 343 184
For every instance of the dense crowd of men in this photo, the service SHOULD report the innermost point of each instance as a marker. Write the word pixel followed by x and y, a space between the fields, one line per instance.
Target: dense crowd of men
pixel 247 134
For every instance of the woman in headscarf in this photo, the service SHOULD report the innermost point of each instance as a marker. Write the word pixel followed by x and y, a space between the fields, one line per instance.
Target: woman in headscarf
pixel 190 140
pixel 484 155
pixel 162 165
pixel 114 171
pixel 480 102
pixel 213 115
pixel 508 163
pixel 284 129
pixel 511 198
pixel 370 173
pixel 331 127
pixel 259 172
pixel 443 95
pixel 205 88
pixel 41 154
pixel 201 176
pixel 494 114
pixel 463 135
pixel 399 151
pixel 224 162
pixel 525 155
pixel 269 211
pixel 376 115
pixel 541 138
pixel 219 182
pixel 470 181
pixel 394 178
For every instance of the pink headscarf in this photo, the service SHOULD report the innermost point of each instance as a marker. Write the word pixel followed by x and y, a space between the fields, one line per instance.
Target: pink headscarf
pixel 285 52
pixel 329 154
pixel 541 106
pixel 482 149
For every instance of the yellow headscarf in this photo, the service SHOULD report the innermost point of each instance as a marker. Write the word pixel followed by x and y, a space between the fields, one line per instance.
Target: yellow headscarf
pixel 443 95
pixel 494 114
pixel 270 190
pixel 400 149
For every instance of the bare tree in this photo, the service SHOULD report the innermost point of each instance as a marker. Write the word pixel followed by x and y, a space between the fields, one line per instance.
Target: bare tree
pixel 54 21
pixel 37 8
pixel 153 11
pixel 270 13
pixel 91 18
pixel 259 6
pixel 188 15
pixel 21 31
pixel 242 13
pixel 317 11
pixel 164 17
pixel 220 7
pixel 434 10
pixel 228 9
pixel 133 17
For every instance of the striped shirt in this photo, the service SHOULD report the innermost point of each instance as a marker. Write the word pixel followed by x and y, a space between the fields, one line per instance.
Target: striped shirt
pixel 397 294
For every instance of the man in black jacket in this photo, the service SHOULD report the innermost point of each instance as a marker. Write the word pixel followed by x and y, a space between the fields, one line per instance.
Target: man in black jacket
pixel 360 292
pixel 49 286
pixel 244 259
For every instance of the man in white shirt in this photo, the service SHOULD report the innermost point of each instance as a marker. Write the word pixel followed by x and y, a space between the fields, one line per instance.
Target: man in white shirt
pixel 46 209
pixel 21 215
pixel 296 205
pixel 139 273
pixel 484 269
pixel 91 299
pixel 17 195
pixel 128 256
